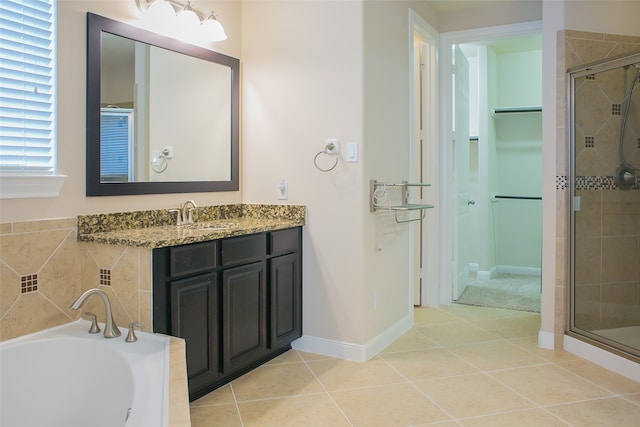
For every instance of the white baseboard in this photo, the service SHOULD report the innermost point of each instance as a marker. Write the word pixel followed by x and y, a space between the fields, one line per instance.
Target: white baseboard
pixel 505 269
pixel 546 340
pixel 487 275
pixel 522 271
pixel 610 361
pixel 350 351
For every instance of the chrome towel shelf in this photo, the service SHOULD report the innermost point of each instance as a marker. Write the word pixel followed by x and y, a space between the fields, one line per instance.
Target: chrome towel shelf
pixel 378 199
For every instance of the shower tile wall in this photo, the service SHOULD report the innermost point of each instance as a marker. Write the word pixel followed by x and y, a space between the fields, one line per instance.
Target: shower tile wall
pixel 43 268
pixel 608 224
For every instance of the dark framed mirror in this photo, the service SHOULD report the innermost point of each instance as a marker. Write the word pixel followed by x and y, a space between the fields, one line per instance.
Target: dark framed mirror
pixel 162 115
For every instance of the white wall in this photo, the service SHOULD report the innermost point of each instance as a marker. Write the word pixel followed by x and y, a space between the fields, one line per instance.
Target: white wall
pixel 488 14
pixel 602 16
pixel 201 149
pixel 71 117
pixel 314 70
pixel 302 73
pixel 518 142
pixel 387 128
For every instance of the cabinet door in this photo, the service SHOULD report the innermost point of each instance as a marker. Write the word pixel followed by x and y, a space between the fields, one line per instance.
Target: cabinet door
pixel 286 300
pixel 244 319
pixel 194 317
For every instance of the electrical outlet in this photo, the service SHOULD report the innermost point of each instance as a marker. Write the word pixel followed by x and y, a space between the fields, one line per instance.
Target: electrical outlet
pixel 283 189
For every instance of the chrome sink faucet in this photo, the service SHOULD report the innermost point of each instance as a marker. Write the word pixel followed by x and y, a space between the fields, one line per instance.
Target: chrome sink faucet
pixel 184 213
pixel 110 328
pixel 187 213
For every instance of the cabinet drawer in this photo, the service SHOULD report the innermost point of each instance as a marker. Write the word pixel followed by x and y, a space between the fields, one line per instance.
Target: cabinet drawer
pixel 191 259
pixel 244 249
pixel 284 241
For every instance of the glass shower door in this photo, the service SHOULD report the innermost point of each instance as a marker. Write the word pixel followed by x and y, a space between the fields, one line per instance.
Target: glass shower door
pixel 605 204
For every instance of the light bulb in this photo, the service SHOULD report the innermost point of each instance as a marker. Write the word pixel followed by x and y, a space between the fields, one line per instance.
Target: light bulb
pixel 188 21
pixel 212 29
pixel 160 12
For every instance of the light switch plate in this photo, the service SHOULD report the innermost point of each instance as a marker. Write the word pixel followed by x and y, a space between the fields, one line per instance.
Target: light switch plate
pixel 352 152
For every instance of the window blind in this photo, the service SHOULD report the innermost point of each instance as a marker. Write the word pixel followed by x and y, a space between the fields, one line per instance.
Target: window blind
pixel 116 148
pixel 27 87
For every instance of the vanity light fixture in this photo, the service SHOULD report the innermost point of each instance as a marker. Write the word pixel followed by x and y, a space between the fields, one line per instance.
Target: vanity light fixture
pixel 187 19
pixel 159 11
pixel 213 29
pixel 183 16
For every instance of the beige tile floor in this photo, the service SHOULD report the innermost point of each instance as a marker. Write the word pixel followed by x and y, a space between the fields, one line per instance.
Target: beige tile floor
pixel 458 366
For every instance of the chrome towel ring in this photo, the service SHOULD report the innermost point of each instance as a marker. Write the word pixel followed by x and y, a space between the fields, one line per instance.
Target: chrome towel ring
pixel 332 148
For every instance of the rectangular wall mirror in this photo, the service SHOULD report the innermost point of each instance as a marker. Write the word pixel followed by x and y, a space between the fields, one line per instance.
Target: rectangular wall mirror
pixel 162 115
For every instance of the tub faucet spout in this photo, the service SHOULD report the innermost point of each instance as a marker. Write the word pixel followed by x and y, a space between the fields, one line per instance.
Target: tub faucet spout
pixel 110 328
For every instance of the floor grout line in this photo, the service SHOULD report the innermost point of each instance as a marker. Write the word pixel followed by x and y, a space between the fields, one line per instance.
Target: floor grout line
pixel 326 391
pixel 483 322
pixel 235 401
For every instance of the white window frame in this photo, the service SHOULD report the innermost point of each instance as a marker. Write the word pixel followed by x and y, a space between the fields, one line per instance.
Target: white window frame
pixel 32 184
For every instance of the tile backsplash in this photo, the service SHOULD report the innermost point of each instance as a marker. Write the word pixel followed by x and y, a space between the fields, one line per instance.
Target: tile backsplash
pixel 43 268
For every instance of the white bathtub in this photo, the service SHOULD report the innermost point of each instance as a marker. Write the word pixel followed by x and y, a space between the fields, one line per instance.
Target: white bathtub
pixel 66 377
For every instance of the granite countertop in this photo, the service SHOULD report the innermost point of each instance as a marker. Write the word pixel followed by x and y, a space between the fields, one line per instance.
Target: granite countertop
pixel 153 229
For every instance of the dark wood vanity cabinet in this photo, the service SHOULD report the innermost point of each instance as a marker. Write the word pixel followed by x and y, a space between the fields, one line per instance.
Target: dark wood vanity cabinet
pixel 237 302
pixel 244 315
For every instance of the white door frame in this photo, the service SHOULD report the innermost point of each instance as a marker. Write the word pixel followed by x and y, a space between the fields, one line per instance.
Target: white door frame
pixel 419 28
pixel 443 293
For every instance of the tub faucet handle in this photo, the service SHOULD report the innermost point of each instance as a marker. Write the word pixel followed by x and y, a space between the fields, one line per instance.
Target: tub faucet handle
pixel 94 323
pixel 131 336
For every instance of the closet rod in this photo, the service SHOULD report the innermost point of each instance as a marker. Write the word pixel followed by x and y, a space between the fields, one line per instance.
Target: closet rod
pixel 518 197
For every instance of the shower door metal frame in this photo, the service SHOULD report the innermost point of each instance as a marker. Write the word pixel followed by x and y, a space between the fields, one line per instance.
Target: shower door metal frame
pixel 570 328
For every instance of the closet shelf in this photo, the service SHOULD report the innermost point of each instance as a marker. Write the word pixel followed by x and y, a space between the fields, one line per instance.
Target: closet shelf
pixel 375 195
pixel 503 111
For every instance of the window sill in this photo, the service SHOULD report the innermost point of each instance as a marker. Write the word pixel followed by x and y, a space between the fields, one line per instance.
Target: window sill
pixel 30 186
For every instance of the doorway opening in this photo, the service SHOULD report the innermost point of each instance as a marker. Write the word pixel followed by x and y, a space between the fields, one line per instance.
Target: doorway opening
pixel 491 90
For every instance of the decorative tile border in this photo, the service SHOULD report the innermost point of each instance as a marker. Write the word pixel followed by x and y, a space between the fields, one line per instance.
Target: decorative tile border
pixel 561 182
pixel 598 183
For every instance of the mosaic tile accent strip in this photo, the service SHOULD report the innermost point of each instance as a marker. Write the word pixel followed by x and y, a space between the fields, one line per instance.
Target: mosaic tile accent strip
pixel 105 277
pixel 561 182
pixel 28 283
pixel 589 142
pixel 616 109
pixel 599 183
